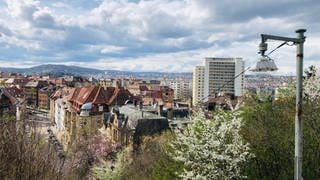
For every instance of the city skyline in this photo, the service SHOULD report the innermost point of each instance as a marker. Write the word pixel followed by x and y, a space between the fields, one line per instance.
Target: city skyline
pixel 159 35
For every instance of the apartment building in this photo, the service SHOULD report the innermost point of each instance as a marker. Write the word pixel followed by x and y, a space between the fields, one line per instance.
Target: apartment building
pixel 198 85
pixel 182 89
pixel 218 76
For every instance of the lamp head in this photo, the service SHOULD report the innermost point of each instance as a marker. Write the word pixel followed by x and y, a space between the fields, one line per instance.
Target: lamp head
pixel 264 64
pixel 263 47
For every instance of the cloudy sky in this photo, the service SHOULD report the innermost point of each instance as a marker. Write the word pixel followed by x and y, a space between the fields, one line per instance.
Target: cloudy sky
pixel 152 35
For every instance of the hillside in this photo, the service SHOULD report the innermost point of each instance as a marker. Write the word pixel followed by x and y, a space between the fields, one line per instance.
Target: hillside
pixel 61 70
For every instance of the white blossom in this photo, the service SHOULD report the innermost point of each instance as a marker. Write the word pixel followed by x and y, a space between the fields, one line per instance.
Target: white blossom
pixel 311 86
pixel 212 148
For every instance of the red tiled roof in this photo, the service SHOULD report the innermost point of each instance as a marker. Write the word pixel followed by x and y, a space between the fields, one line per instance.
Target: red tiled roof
pixel 101 97
pixel 56 94
pixel 85 95
pixel 94 94
pixel 118 92
pixel 97 95
pixel 74 94
pixel 62 92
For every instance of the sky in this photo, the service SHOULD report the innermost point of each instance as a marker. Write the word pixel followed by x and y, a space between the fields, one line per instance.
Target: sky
pixel 153 35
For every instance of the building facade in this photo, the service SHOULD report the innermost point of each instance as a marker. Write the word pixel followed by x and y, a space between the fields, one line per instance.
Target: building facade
pixel 220 76
pixel 7 103
pixel 158 95
pixel 44 97
pixel 18 82
pixel 106 82
pixel 78 112
pixel 182 89
pixel 31 91
pixel 198 85
pixel 127 124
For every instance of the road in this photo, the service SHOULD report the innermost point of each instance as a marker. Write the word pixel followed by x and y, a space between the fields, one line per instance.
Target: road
pixel 38 117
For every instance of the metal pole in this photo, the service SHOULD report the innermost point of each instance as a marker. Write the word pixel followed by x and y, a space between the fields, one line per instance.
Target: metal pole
pixel 298 117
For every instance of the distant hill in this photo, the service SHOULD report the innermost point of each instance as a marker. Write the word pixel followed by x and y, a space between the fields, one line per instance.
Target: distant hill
pixel 53 70
pixel 61 70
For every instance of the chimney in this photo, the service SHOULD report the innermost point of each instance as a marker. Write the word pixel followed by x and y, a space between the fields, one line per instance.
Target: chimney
pixel 140 105
pixel 170 113
pixel 160 110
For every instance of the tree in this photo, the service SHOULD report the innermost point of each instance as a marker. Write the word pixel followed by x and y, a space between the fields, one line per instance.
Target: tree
pixel 311 124
pixel 151 161
pixel 212 148
pixel 164 166
pixel 25 154
pixel 120 170
pixel 269 128
pixel 88 152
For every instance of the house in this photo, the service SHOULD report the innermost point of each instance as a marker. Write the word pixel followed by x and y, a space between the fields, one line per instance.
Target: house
pixel 78 112
pixel 119 96
pixel 158 95
pixel 96 95
pixel 61 93
pixel 44 97
pixel 60 82
pixel 16 92
pixel 17 82
pixel 129 123
pixel 59 113
pixel 83 113
pixel 150 83
pixel 75 81
pixel 31 91
pixel 106 82
pixel 7 103
pixel 93 81
pixel 137 89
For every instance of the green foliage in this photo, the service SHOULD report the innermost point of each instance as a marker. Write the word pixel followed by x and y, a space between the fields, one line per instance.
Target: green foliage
pixel 165 167
pixel 287 91
pixel 120 171
pixel 103 171
pixel 269 130
pixel 151 161
pixel 311 138
pixel 7 117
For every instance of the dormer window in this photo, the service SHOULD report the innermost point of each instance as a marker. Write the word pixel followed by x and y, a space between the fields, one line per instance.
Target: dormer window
pixel 100 108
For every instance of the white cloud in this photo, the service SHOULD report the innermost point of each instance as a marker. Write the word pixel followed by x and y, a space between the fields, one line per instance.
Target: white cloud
pixel 152 35
pixel 15 42
pixel 111 49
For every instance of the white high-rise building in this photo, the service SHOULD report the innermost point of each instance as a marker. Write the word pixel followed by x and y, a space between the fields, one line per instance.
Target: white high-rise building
pixel 219 76
pixel 198 85
pixel 182 89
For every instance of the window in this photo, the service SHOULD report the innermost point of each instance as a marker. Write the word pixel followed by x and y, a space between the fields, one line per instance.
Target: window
pixel 115 135
pixel 100 108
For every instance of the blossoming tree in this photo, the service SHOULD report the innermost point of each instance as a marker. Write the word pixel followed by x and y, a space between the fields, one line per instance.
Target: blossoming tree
pixel 212 148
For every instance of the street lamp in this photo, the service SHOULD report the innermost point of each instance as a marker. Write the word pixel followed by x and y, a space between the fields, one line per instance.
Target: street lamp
pixel 266 64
